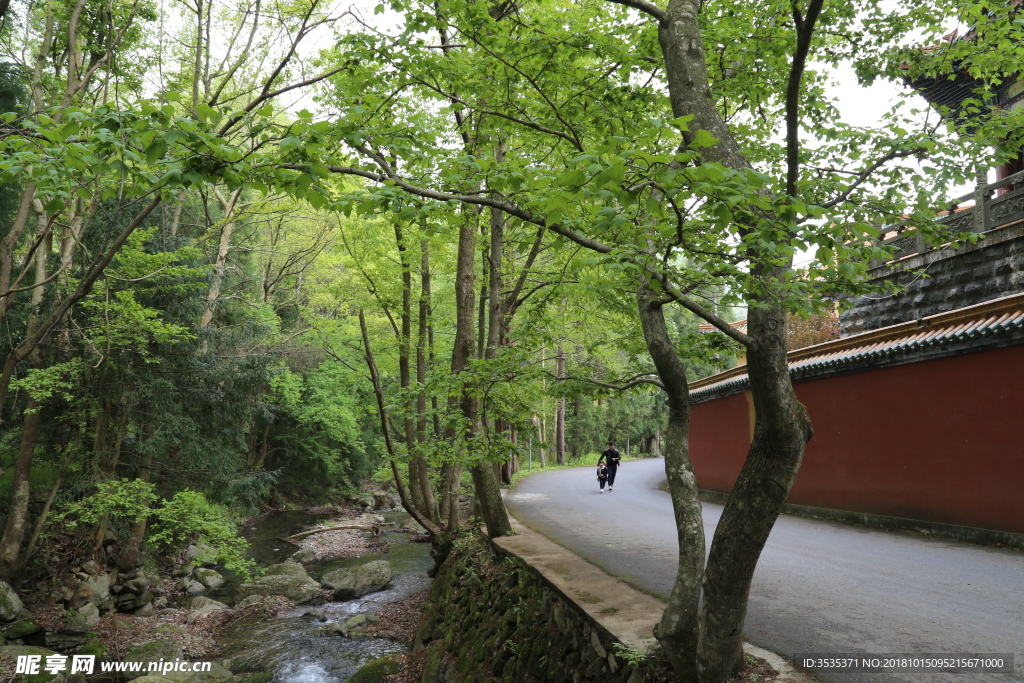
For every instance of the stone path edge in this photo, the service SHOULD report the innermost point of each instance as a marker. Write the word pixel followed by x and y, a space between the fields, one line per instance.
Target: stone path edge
pixel 627 614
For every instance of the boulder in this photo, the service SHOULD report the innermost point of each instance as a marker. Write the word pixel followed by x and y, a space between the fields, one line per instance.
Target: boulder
pixel 301 592
pixel 412 526
pixel 199 554
pixel 21 628
pixel 290 569
pixel 15 651
pixel 375 671
pixel 146 610
pixel 155 650
pixel 93 647
pixel 380 500
pixel 90 567
pixel 208 577
pixel 91 613
pixel 250 600
pixel 317 614
pixel 10 603
pixel 95 589
pixel 354 582
pixel 305 556
pixel 288 579
pixel 190 587
pixel 201 606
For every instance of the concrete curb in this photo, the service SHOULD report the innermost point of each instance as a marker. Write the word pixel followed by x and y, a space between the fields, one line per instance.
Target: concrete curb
pixel 628 614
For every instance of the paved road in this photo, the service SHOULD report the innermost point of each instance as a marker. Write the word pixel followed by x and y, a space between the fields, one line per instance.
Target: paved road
pixel 820 587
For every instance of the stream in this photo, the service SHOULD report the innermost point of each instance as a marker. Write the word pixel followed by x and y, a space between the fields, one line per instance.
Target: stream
pixel 288 645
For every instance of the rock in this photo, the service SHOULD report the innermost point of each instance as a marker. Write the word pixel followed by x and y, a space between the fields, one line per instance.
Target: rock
pixel 301 592
pixel 15 651
pixel 93 647
pixel 375 671
pixel 190 587
pixel 305 556
pixel 146 610
pixel 64 641
pixel 91 613
pixel 366 501
pixel 199 554
pixel 155 650
pixel 374 519
pixel 76 623
pixel 21 628
pixel 184 570
pixel 358 621
pixel 412 526
pixel 288 579
pixel 128 602
pixel 354 582
pixel 254 677
pixel 208 577
pixel 317 614
pixel 290 569
pixel 201 606
pixel 372 619
pixel 90 567
pixel 331 629
pixel 251 600
pixel 216 674
pixel 10 603
pixel 160 603
pixel 380 500
pixel 96 588
pixel 137 585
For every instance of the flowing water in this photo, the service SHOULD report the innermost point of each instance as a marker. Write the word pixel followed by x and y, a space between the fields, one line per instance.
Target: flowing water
pixel 288 645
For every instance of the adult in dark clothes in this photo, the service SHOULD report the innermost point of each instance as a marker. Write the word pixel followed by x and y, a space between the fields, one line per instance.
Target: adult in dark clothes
pixel 611 458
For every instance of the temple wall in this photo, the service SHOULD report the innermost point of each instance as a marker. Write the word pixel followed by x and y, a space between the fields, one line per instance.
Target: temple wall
pixel 935 440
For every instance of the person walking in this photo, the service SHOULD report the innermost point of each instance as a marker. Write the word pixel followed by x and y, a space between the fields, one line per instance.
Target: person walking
pixel 611 458
pixel 602 476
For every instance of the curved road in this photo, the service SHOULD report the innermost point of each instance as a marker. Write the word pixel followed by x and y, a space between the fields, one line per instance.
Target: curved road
pixel 820 587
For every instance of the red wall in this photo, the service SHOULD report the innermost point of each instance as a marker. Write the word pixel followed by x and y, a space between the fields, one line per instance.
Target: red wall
pixel 939 440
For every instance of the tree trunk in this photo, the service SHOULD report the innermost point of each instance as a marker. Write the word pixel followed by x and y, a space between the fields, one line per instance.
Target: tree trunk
pixel 560 412
pixel 678 629
pixel 781 430
pixel 493 508
pixel 781 427
pixel 17 517
pixel 422 338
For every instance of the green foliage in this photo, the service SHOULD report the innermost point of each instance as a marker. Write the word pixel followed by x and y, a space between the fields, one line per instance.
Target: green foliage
pixel 128 500
pixel 189 518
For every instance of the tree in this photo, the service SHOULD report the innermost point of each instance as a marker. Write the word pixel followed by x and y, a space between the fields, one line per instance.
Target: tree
pixel 698 196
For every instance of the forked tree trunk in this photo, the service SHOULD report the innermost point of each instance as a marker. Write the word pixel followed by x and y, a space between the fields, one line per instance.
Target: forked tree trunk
pixel 781 427
pixel 781 430
pixel 678 629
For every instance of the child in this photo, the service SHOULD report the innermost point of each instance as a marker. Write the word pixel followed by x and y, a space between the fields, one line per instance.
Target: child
pixel 602 475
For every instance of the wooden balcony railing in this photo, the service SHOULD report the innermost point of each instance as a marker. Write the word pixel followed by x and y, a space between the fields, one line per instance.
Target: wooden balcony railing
pixel 994 212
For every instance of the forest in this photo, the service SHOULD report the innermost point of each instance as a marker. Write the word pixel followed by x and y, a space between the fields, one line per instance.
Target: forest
pixel 257 253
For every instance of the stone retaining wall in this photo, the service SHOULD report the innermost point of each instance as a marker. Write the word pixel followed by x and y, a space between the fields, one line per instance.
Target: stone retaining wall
pixel 492 617
pixel 991 269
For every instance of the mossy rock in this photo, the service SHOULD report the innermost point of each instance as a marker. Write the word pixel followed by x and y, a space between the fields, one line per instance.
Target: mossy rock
pixel 375 671
pixel 93 647
pixel 21 628
pixel 254 677
pixel 155 650
pixel 16 651
pixel 10 603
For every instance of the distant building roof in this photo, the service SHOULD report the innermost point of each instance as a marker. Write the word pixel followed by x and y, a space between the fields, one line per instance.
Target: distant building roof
pixel 740 325
pixel 987 325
